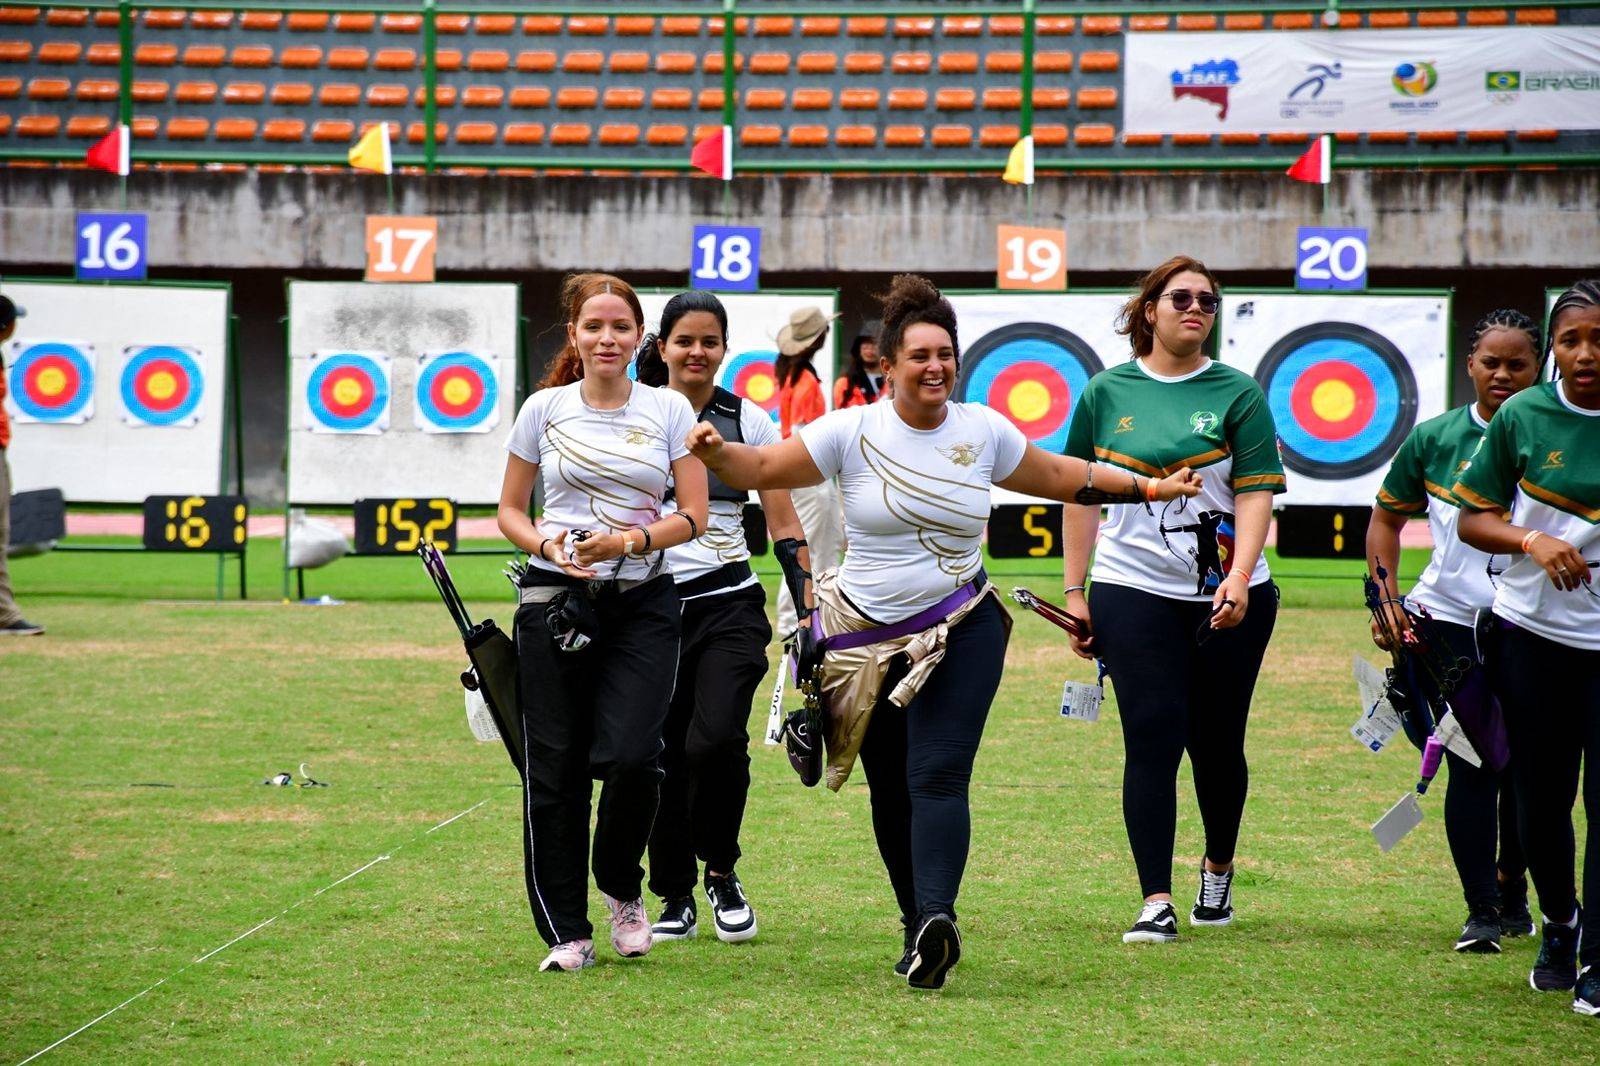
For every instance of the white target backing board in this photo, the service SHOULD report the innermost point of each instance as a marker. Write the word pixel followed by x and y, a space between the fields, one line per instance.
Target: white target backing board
pixel 121 389
pixel 754 320
pixel 1346 378
pixel 1030 356
pixel 354 433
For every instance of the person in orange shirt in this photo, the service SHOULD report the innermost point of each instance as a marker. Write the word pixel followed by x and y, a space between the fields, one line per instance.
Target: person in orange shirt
pixel 11 621
pixel 801 401
pixel 862 381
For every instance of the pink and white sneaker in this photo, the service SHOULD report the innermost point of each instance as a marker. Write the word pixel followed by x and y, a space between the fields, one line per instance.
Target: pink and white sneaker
pixel 630 929
pixel 571 955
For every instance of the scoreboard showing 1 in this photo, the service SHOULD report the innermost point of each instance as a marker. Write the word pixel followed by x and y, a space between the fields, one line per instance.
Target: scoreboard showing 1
pixel 1322 532
pixel 195 523
pixel 399 526
pixel 1025 531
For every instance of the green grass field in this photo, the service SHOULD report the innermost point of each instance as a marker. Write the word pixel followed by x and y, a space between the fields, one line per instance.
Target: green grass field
pixel 137 840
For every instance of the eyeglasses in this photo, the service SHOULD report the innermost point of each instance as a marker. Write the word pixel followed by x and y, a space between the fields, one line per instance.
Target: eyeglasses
pixel 1183 299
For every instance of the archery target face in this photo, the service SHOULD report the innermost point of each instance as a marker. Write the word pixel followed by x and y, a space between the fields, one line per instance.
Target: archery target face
pixel 1031 372
pixel 456 392
pixel 348 392
pixel 51 381
pixel 754 376
pixel 161 385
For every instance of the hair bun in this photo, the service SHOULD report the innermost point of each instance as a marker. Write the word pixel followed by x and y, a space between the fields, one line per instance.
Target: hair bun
pixel 909 293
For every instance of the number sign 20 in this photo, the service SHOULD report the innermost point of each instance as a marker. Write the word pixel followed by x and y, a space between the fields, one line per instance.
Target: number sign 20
pixel 1330 259
pixel 1032 259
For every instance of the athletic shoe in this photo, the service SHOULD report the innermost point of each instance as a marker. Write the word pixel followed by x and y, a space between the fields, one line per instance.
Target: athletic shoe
pixel 1515 919
pixel 732 914
pixel 1556 968
pixel 570 956
pixel 1213 904
pixel 1586 1000
pixel 935 952
pixel 903 967
pixel 676 921
pixel 630 929
pixel 21 627
pixel 1157 924
pixel 1481 934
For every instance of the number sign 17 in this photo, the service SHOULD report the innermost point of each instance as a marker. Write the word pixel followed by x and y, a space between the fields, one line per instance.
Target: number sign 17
pixel 111 247
pixel 727 258
pixel 1032 259
pixel 401 248
pixel 1330 259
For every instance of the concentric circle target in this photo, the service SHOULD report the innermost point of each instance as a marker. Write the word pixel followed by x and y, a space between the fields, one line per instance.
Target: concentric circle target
pixel 52 381
pixel 347 392
pixel 457 391
pixel 1343 398
pixel 162 385
pixel 754 376
pixel 1032 373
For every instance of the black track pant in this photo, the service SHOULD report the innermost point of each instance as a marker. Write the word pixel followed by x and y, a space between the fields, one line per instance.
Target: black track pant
pixel 1551 696
pixel 594 714
pixel 1479 805
pixel 707 758
pixel 1175 695
pixel 918 763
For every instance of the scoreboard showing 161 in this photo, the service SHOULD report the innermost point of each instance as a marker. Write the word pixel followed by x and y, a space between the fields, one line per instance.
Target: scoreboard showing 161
pixel 195 523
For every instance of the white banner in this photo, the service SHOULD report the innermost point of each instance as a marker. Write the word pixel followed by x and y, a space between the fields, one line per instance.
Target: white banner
pixel 1523 77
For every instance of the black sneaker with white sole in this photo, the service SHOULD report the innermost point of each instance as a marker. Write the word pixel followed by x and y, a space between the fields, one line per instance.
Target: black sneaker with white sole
pixel 21 627
pixel 677 921
pixel 1515 918
pixel 1213 904
pixel 1157 924
pixel 731 913
pixel 1586 997
pixel 1556 968
pixel 1481 934
pixel 903 967
pixel 935 950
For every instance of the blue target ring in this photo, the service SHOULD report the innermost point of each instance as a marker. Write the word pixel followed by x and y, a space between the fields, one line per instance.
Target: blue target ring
pixel 162 385
pixel 52 381
pixel 753 376
pixel 457 391
pixel 1033 374
pixel 347 392
pixel 1343 398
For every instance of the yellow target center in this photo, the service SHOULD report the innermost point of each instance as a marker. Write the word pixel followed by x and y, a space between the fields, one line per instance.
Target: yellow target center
pixel 457 392
pixel 1029 401
pixel 161 385
pixel 1333 401
pixel 52 382
pixel 761 388
pixel 347 392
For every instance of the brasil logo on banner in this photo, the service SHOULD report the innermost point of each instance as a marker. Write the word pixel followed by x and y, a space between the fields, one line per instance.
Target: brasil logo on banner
pixel 754 376
pixel 348 392
pixel 161 385
pixel 457 392
pixel 51 381
pixel 1031 372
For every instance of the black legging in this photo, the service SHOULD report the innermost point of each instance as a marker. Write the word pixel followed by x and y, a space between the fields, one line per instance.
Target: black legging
pixel 1551 696
pixel 1174 695
pixel 918 763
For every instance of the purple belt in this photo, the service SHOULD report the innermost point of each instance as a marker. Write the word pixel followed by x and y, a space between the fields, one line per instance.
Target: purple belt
pixel 906 626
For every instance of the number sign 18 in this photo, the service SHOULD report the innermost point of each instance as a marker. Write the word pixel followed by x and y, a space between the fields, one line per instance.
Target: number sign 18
pixel 1032 259
pixel 727 258
pixel 1330 259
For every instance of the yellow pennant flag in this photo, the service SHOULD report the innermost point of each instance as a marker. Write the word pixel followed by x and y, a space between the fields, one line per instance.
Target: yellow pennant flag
pixel 371 152
pixel 1019 167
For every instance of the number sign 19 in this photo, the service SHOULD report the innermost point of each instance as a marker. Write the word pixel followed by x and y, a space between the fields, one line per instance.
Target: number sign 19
pixel 1330 259
pixel 111 247
pixel 726 258
pixel 1032 259
pixel 400 248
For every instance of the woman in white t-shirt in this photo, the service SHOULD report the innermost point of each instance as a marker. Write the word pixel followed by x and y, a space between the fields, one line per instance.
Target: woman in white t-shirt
pixel 723 654
pixel 913 634
pixel 598 626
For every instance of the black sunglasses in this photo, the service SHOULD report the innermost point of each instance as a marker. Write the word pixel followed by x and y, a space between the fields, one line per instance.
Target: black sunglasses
pixel 1183 299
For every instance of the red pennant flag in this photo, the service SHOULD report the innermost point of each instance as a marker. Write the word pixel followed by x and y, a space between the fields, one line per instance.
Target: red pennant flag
pixel 1317 164
pixel 714 154
pixel 110 153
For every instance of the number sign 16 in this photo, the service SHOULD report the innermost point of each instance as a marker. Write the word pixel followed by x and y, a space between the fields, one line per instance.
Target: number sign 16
pixel 1333 259
pixel 111 247
pixel 1032 259
pixel 727 258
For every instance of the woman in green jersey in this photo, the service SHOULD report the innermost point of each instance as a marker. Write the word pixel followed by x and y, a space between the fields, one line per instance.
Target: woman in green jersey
pixel 1183 605
pixel 1532 492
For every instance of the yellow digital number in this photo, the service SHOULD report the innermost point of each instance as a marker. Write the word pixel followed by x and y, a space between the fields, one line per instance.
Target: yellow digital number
pixel 402 524
pixel 446 518
pixel 195 531
pixel 238 523
pixel 1043 534
pixel 1338 532
pixel 381 517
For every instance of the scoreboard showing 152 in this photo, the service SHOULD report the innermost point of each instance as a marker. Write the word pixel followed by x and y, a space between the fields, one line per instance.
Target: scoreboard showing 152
pixel 398 526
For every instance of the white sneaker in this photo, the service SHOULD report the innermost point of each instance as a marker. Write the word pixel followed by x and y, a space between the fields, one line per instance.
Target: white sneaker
pixel 571 955
pixel 731 912
pixel 1157 924
pixel 630 929
pixel 1213 904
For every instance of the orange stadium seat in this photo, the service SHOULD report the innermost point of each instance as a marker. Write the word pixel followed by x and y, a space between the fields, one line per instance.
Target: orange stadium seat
pixel 261 20
pixel 338 94
pixel 244 92
pixel 301 57
pixel 444 96
pixel 621 98
pixel 454 25
pixel 149 92
pixel 15 51
pixel 570 133
pixel 66 16
pixel 671 99
pixel 765 99
pixel 583 63
pixel 577 97
pixel 1196 23
pixel 1002 99
pixel 291 94
pixel 188 129
pixel 211 20
pixel 524 133
pixel 903 136
pixel 447 59
pixel 49 88
pixel 1049 99
pixel 1055 25
pixel 913 26
pixel 952 136
pixel 681 26
pixel 482 96
pixel 235 129
pixel 18 16
pixel 999 136
pixel 634 26
pixel 867 27
pixel 308 22
pixel 666 134
pixel 1102 25
pixel 808 136
pixel 195 92
pixel 817 63
pixel 38 125
pixel 354 22
pixel 250 55
pixel 1099 62
pixel 1093 134
pixel 908 99
pixel 619 134
pixel 204 55
pixel 400 23
pixel 11 88
pixel 347 59
pixel 104 54
pixel 820 26
pixel 1244 22
pixel 332 129
pixel 144 127
pixel 283 129
pixel 536 62
pixel 812 99
pixel 63 52
pixel 863 63
pixel 164 19
pixel 388 96
pixel 87 126
pixel 855 136
pixel 394 59
pixel 417 133
pixel 774 26
pixel 488 60
pixel 711 100
pixel 1536 16
pixel 1097 98
pixel 958 62
pixel 588 26
pixel 757 136
pixel 911 62
pixel 530 96
pixel 1049 136
pixel 477 133
pixel 629 62
pixel 5 124
pixel 1003 62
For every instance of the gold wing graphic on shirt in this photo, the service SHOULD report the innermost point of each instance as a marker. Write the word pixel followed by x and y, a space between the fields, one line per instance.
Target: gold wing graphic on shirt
pixel 729 545
pixel 941 510
pixel 595 472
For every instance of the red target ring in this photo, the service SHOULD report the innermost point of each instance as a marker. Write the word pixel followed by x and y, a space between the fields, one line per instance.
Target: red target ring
pixel 161 385
pixel 1033 396
pixel 1333 400
pixel 456 392
pixel 347 392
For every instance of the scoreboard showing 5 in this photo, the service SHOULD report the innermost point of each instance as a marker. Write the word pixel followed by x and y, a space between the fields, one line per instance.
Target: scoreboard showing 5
pixel 397 526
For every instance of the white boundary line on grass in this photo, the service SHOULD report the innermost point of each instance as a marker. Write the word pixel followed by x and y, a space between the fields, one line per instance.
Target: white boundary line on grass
pixel 253 930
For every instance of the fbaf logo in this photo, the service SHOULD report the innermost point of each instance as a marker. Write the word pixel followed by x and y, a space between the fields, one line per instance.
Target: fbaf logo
pixel 1414 80
pixel 1209 81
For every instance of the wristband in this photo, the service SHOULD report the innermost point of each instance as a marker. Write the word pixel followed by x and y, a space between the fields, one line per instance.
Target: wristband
pixel 646 531
pixel 627 544
pixel 1242 573
pixel 1150 489
pixel 694 530
pixel 542 555
pixel 1527 541
pixel 1070 589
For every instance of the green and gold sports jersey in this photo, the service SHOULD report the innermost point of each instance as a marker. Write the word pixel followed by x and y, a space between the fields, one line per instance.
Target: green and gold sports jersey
pixel 1540 460
pixel 1455 586
pixel 1214 420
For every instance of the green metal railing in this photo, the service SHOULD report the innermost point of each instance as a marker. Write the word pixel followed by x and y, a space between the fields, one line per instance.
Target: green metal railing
pixel 729 13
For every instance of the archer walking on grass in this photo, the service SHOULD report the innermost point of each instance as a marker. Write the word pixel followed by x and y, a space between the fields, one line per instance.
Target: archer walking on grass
pixel 912 633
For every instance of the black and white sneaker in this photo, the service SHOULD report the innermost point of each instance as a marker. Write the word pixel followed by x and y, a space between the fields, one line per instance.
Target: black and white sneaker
pixel 21 627
pixel 732 914
pixel 1213 904
pixel 936 949
pixel 1481 934
pixel 1515 918
pixel 903 967
pixel 677 921
pixel 1586 998
pixel 1157 924
pixel 1556 968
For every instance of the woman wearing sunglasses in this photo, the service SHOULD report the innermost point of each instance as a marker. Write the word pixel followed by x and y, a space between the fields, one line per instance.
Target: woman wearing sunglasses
pixel 1182 604
pixel 1502 360
pixel 1532 492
